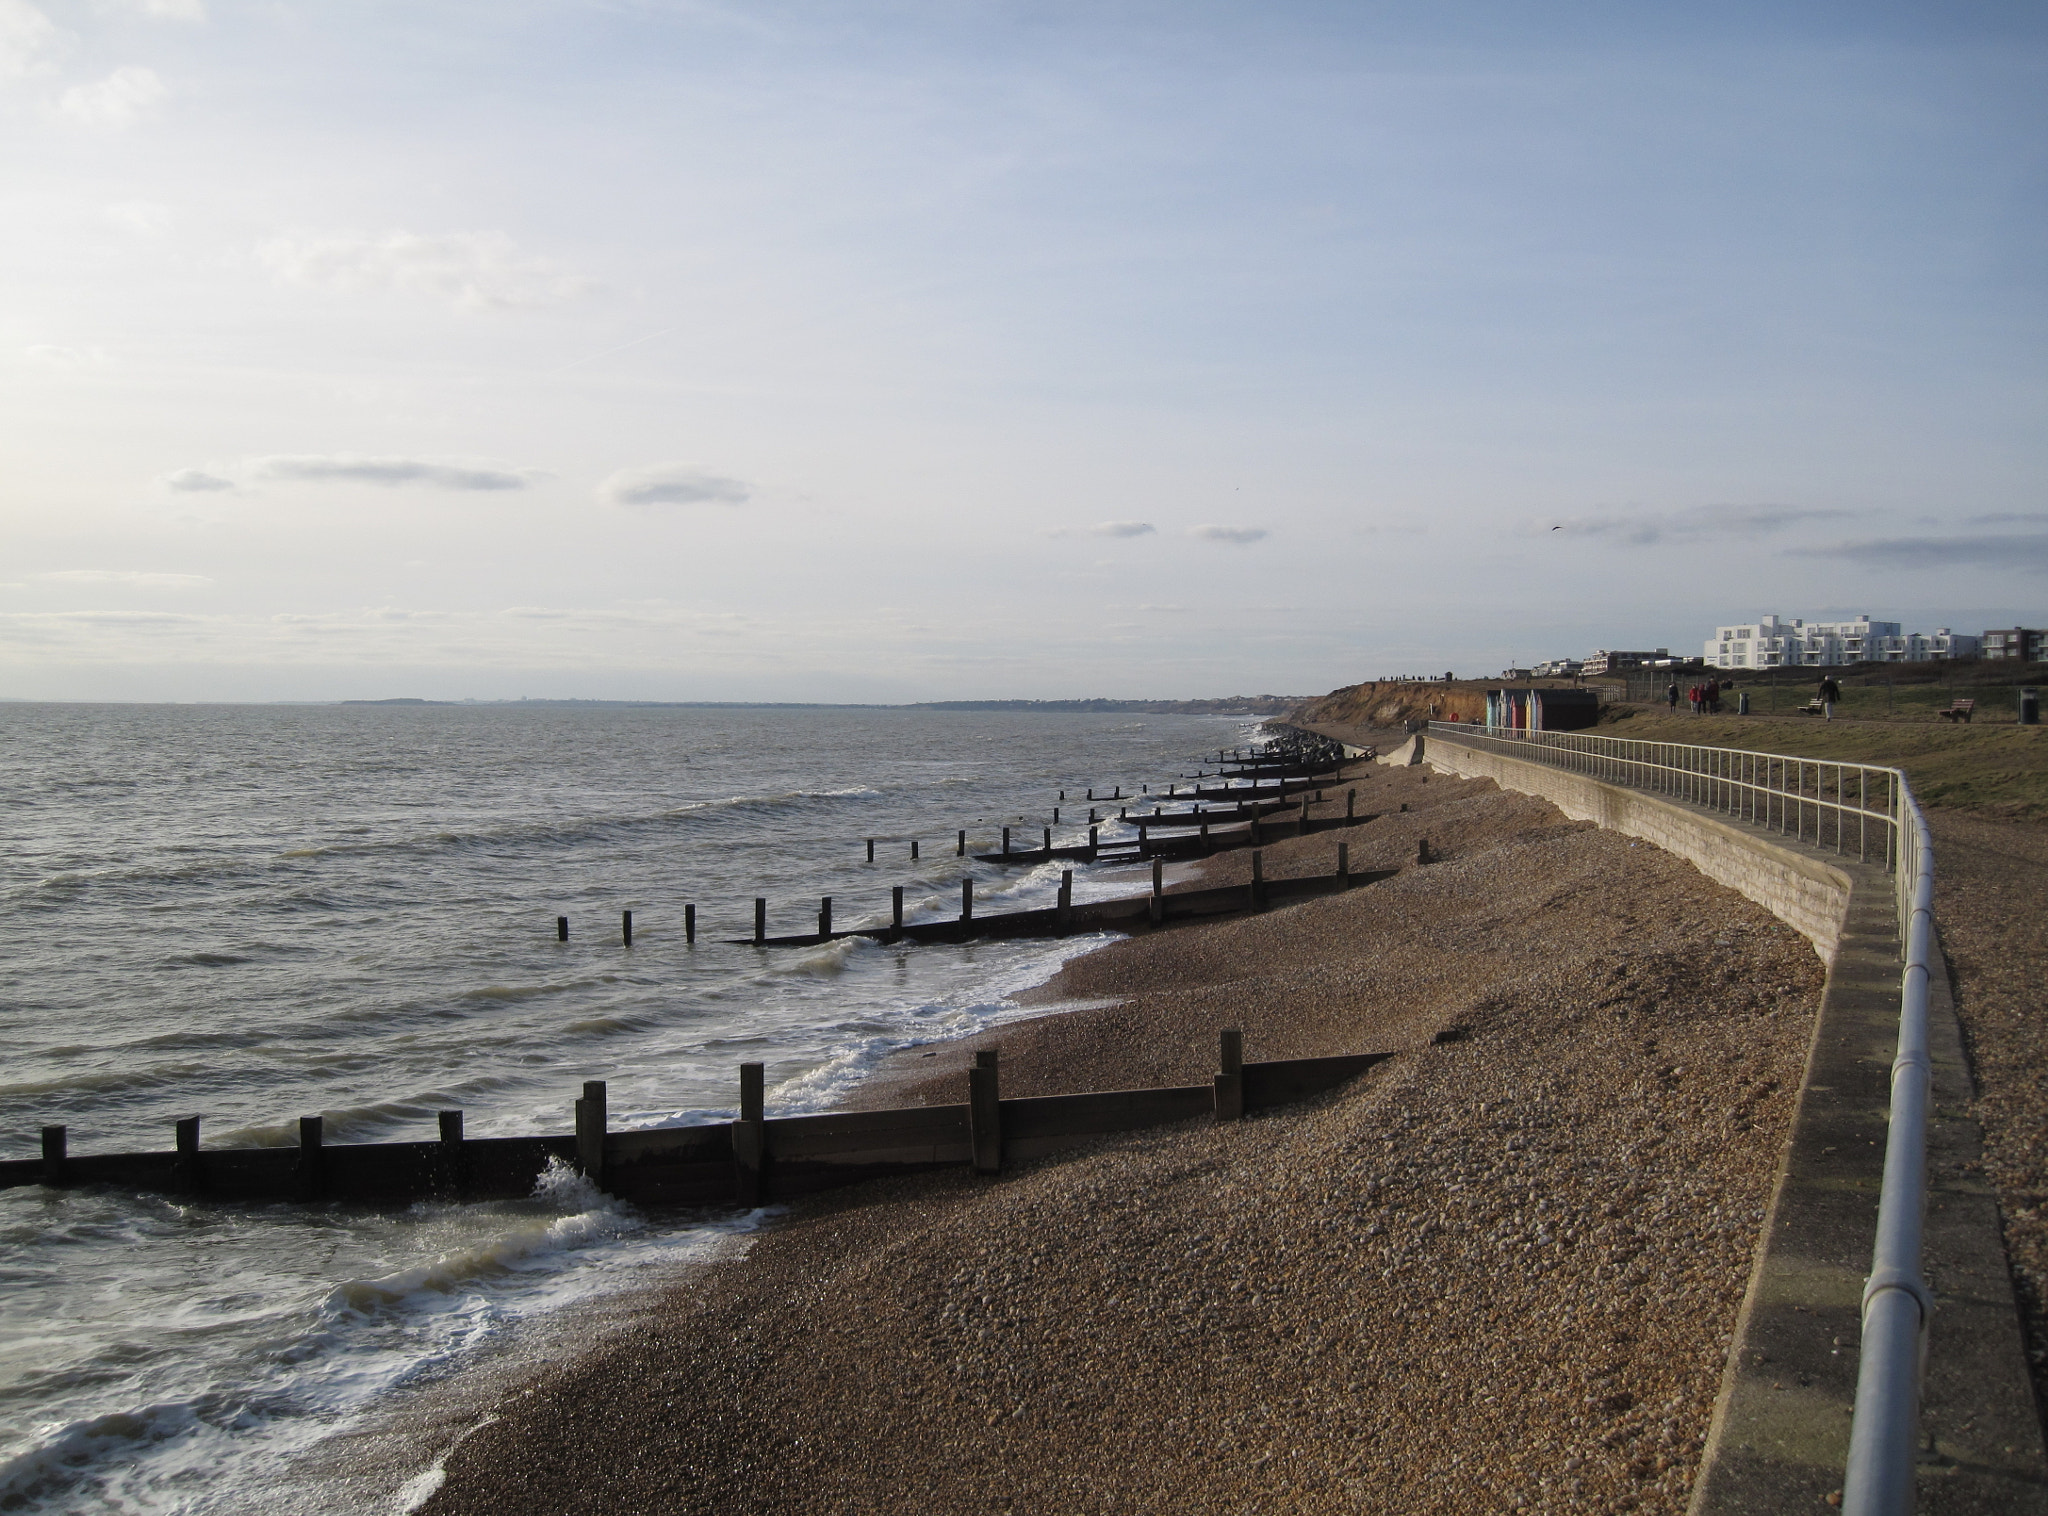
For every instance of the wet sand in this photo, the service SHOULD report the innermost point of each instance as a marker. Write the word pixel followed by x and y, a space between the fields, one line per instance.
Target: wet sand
pixel 1498 1272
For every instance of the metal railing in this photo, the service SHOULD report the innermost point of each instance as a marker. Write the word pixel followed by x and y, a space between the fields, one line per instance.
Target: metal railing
pixel 1870 811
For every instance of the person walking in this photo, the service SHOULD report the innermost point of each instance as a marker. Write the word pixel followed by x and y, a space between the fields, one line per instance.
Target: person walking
pixel 1671 695
pixel 1830 692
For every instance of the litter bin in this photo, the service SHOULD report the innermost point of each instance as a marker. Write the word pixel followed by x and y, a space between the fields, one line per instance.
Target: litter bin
pixel 1742 703
pixel 2030 706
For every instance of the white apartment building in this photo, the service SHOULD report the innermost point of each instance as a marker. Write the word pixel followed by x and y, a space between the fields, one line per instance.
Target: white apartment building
pixel 1775 642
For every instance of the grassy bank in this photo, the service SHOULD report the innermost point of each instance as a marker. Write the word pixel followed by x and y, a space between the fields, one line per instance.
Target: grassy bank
pixel 1995 769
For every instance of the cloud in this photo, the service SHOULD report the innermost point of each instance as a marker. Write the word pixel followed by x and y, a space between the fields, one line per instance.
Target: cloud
pixel 127 576
pixel 672 484
pixel 2018 550
pixel 473 271
pixel 1646 529
pixel 1120 529
pixel 66 357
pixel 348 468
pixel 195 479
pixel 27 36
pixel 172 10
pixel 139 218
pixel 1227 533
pixel 2010 518
pixel 121 99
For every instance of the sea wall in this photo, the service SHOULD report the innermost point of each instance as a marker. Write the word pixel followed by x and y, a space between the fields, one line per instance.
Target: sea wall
pixel 1808 895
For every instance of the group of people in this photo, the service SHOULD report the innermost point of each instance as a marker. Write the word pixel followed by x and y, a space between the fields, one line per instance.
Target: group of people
pixel 1704 698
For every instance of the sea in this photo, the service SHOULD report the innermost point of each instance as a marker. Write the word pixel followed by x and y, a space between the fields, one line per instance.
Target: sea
pixel 257 913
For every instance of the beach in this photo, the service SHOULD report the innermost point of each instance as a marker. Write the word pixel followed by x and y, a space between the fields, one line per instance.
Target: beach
pixel 1498 1271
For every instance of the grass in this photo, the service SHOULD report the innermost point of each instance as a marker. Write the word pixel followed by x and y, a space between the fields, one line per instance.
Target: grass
pixel 1995 768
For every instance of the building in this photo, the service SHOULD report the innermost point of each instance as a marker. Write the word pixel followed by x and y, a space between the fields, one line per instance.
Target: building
pixel 1610 661
pixel 1542 710
pixel 1775 642
pixel 1558 668
pixel 2016 642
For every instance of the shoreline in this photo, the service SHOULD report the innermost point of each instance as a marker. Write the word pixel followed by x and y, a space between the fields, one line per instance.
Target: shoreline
pixel 884 1318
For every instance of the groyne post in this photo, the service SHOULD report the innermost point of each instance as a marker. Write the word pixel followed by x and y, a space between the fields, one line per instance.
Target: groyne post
pixel 1006 841
pixel 311 1178
pixel 590 1129
pixel 1230 1078
pixel 561 929
pixel 1422 850
pixel 626 927
pixel 1351 805
pixel 825 916
pixel 913 850
pixel 1205 839
pixel 1048 842
pixel 871 850
pixel 1066 905
pixel 1343 865
pixel 189 1173
pixel 451 1178
pixel 985 1113
pixel 896 907
pixel 1092 844
pixel 53 1156
pixel 960 843
pixel 1258 886
pixel 760 920
pixel 750 1133
pixel 966 900
pixel 1158 891
pixel 689 923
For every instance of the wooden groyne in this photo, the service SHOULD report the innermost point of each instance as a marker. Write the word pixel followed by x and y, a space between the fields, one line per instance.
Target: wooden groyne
pixel 744 1162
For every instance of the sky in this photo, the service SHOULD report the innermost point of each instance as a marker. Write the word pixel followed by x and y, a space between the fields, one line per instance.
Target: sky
pixel 905 351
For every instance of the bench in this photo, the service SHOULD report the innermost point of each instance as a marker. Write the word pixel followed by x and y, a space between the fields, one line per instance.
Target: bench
pixel 1958 711
pixel 1811 708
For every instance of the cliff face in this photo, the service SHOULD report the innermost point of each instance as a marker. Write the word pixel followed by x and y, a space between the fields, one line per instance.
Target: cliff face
pixel 1386 704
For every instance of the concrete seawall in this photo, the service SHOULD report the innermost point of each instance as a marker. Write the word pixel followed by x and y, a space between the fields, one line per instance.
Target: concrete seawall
pixel 1780 1434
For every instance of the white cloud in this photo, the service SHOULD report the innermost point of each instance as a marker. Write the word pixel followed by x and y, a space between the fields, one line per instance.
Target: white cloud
pixel 27 37
pixel 1227 533
pixel 349 468
pixel 672 484
pixel 474 271
pixel 172 10
pixel 55 356
pixel 1120 529
pixel 133 577
pixel 195 479
pixel 122 98
pixel 140 218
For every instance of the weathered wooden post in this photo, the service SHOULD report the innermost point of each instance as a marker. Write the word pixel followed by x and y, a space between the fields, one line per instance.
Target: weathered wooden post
pixel 913 850
pixel 750 1134
pixel 1158 891
pixel 985 1113
pixel 1063 794
pixel 1091 842
pixel 1048 842
pixel 561 929
pixel 1119 793
pixel 1205 839
pixel 1230 1080
pixel 1091 794
pixel 452 1177
pixel 960 844
pixel 1123 813
pixel 760 920
pixel 590 1126
pixel 1091 815
pixel 1258 835
pixel 825 916
pixel 1258 880
pixel 312 1177
pixel 53 1156
pixel 626 927
pixel 966 900
pixel 1422 850
pixel 1343 865
pixel 689 923
pixel 188 1169
pixel 1351 805
pixel 1006 842
pixel 1055 815
pixel 871 850
pixel 1066 905
pixel 896 908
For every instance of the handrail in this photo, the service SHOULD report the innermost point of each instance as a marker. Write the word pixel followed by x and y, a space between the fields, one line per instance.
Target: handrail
pixel 1763 788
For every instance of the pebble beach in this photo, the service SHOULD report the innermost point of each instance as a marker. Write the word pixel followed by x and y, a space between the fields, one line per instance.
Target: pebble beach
pixel 1499 1271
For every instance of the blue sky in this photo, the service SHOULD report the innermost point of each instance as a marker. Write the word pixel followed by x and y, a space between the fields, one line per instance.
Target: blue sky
pixel 930 351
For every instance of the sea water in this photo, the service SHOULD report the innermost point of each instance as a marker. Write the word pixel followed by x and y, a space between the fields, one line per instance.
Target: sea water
pixel 253 913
